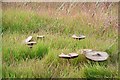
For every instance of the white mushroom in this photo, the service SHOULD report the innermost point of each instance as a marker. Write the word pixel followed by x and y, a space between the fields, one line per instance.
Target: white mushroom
pixel 30 43
pixel 62 55
pixel 82 36
pixel 28 39
pixel 78 37
pixel 74 36
pixel 68 56
pixel 73 54
pixel 42 36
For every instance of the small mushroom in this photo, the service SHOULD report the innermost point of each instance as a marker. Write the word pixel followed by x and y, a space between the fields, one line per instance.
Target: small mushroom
pixel 78 37
pixel 68 56
pixel 62 55
pixel 42 36
pixel 82 36
pixel 74 36
pixel 95 55
pixel 28 39
pixel 30 43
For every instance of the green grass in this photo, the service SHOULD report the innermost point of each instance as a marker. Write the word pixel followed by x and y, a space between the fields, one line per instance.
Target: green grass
pixel 97 71
pixel 42 60
pixel 17 50
pixel 39 50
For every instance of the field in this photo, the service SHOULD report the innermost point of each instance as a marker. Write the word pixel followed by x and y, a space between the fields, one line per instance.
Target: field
pixel 58 22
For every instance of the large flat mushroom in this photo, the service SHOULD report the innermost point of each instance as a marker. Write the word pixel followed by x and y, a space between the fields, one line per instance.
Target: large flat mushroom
pixel 95 55
pixel 78 37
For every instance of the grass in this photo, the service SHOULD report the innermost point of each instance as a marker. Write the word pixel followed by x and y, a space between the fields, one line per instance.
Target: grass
pixel 97 71
pixel 17 51
pixel 42 60
pixel 20 21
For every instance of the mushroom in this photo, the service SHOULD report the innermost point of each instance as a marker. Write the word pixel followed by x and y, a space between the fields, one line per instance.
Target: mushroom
pixel 31 43
pixel 95 55
pixel 28 39
pixel 73 55
pixel 62 55
pixel 78 37
pixel 42 36
pixel 68 56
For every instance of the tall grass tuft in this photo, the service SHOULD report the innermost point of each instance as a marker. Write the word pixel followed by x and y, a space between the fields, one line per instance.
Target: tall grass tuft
pixel 97 71
pixel 39 50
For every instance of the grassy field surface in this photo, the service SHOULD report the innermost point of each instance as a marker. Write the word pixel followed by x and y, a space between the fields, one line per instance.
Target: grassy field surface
pixel 42 61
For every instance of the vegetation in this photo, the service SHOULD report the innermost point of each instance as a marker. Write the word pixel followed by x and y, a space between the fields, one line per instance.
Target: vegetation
pixel 42 61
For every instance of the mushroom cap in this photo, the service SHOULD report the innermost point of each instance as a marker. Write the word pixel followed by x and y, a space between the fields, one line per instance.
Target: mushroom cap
pixel 82 36
pixel 68 56
pixel 73 54
pixel 74 36
pixel 97 55
pixel 64 56
pixel 42 36
pixel 28 39
pixel 78 37
pixel 31 43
